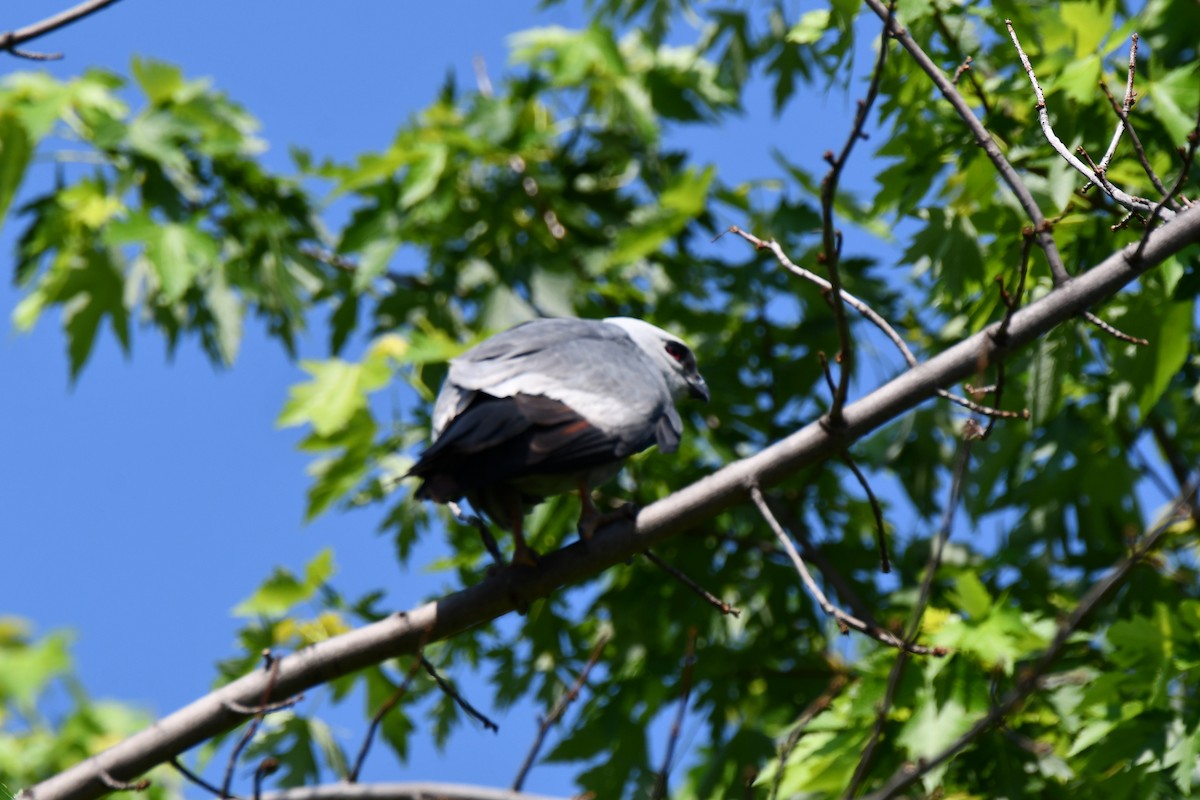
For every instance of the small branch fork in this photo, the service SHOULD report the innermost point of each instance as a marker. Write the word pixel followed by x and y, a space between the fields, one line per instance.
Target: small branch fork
pixel 1123 115
pixel 1095 174
pixel 10 40
pixel 832 241
pixel 556 713
pixel 873 317
pixel 1043 230
pixel 271 664
pixel 1031 677
pixel 689 662
pixel 844 621
pixel 382 712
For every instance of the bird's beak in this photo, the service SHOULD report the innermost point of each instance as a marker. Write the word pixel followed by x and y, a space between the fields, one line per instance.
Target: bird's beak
pixel 697 388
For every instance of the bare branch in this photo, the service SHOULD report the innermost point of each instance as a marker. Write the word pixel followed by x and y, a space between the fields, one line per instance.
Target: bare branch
pixel 872 316
pixel 196 779
pixel 425 790
pixel 1189 156
pixel 380 713
pixel 1094 175
pixel 449 689
pixel 880 534
pixel 709 597
pixel 124 786
pixel 272 671
pixel 9 41
pixel 619 541
pixel 845 621
pixel 689 661
pixel 1030 678
pixel 1123 112
pixel 556 713
pixel 1008 174
pixel 832 242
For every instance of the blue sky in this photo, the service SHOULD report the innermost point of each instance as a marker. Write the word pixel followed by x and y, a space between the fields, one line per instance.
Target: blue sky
pixel 142 503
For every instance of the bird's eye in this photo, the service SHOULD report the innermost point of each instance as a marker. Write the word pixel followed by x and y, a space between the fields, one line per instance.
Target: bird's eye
pixel 677 351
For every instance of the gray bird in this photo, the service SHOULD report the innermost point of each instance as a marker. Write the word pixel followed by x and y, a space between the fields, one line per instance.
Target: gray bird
pixel 553 406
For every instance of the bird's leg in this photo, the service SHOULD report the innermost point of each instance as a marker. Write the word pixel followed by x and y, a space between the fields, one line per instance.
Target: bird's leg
pixel 591 520
pixel 589 517
pixel 523 554
pixel 485 533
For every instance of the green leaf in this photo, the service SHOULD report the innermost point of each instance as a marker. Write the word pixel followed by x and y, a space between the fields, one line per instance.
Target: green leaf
pixel 1167 353
pixel 424 174
pixel 16 149
pixel 283 590
pixel 159 80
pixel 810 28
pixel 1176 96
pixel 337 391
pixel 971 595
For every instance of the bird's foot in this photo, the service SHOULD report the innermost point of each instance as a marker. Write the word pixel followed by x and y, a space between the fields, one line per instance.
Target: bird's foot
pixel 524 561
pixel 525 556
pixel 590 523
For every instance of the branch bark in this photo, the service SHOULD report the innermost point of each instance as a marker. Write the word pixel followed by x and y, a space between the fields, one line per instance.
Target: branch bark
pixel 10 40
pixel 402 633
pixel 401 791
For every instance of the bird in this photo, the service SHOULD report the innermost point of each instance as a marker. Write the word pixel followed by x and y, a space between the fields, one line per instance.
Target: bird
pixel 551 406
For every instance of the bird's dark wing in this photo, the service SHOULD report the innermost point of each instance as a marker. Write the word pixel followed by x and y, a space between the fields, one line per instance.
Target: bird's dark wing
pixel 500 439
pixel 593 367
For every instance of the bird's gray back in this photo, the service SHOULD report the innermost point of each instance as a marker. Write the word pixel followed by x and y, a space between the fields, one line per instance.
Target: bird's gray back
pixel 590 365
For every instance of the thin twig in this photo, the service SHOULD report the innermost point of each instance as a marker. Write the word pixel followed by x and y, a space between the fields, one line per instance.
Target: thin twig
pixel 1114 332
pixel 269 766
pixel 450 690
pixel 871 315
pixel 1030 678
pixel 196 779
pixel 380 713
pixel 1008 174
pixel 1012 304
pixel 914 625
pixel 560 708
pixel 1123 111
pixel 689 661
pixel 845 621
pixel 9 41
pixel 1095 176
pixel 709 597
pixel 272 665
pixel 965 66
pixel 810 712
pixel 269 708
pixel 885 563
pixel 831 254
pixel 1189 155
pixel 140 785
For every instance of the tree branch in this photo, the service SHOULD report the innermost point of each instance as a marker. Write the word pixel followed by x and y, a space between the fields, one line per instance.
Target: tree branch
pixel 1008 174
pixel 424 790
pixel 10 40
pixel 401 633
pixel 1094 174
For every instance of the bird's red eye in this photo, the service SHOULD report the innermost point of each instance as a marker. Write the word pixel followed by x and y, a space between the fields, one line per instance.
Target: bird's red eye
pixel 677 351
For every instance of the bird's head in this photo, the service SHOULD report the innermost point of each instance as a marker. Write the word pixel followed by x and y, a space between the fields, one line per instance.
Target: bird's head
pixel 670 354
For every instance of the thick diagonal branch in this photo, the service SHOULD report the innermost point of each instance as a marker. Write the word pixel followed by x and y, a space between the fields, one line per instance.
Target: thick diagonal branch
pixel 402 633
